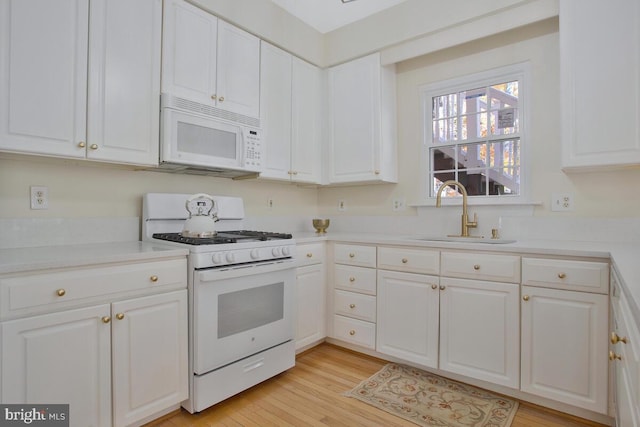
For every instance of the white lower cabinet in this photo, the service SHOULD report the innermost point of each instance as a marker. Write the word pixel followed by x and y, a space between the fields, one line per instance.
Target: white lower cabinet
pixel 408 316
pixel 479 330
pixel 564 346
pixel 310 295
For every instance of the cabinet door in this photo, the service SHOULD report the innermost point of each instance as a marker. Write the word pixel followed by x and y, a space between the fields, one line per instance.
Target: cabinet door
pixel 43 76
pixel 310 305
pixel 354 111
pixel 407 317
pixel 600 108
pixel 149 355
pixel 307 98
pixel 238 73
pixel 124 81
pixel 564 346
pixel 275 112
pixel 60 358
pixel 189 50
pixel 479 330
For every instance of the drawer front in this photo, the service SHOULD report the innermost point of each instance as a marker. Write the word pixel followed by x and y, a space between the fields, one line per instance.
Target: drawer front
pixel 355 305
pixel 493 267
pixel 354 331
pixel 423 261
pixel 566 274
pixel 308 254
pixel 356 279
pixel 48 292
pixel 362 256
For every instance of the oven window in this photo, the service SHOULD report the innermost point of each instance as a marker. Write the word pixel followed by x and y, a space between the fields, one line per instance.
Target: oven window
pixel 244 310
pixel 206 141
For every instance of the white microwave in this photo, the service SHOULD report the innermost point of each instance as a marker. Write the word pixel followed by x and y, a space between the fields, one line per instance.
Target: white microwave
pixel 194 138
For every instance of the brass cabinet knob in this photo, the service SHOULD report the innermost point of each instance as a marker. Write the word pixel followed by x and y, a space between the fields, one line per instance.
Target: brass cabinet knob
pixel 221 99
pixel 443 287
pixel 295 172
pixel 214 97
pixel 377 172
pixel 153 278
pixel 434 286
pixel 352 332
pixel 615 339
pixel 613 356
pixel 476 267
pixel 120 316
pixel 352 255
pixel 106 319
pixel 309 255
pixel 525 297
pixel 82 144
pixel 352 306
pixel 352 279
pixel 94 146
pixel 404 260
pixel 561 275
pixel 61 292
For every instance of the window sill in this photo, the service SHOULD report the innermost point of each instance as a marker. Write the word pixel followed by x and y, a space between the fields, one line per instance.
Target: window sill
pixel 471 201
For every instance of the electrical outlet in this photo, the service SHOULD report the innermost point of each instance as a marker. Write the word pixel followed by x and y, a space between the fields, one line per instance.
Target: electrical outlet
pixel 399 205
pixel 342 205
pixel 39 197
pixel 561 202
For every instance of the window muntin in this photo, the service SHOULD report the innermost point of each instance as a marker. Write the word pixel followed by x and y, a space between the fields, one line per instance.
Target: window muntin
pixel 475 135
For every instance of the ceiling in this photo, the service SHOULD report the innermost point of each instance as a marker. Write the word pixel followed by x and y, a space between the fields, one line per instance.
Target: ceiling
pixel 328 15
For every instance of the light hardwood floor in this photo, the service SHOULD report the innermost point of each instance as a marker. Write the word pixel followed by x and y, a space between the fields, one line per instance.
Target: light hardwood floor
pixel 310 394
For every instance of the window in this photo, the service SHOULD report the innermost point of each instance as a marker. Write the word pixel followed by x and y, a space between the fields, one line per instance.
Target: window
pixel 474 134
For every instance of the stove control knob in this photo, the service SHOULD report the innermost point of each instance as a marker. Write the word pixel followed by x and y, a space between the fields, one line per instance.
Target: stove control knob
pixel 286 251
pixel 255 254
pixel 230 257
pixel 276 251
pixel 216 258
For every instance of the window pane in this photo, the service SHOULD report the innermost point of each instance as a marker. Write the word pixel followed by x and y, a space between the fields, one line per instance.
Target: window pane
pixel 474 100
pixel 502 183
pixel 443 158
pixel 445 130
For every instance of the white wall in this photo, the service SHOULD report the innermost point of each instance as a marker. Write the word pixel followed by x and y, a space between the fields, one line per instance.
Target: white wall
pixel 594 193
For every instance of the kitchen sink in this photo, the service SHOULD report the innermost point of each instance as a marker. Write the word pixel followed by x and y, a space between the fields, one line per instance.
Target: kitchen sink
pixel 465 240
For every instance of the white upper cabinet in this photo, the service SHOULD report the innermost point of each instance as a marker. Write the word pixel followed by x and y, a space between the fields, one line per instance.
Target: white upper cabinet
pixel 47 104
pixel 291 116
pixel 600 83
pixel 210 61
pixel 43 76
pixel 362 117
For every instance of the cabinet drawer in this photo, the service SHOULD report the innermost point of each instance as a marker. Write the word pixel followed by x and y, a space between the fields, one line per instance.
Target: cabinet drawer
pixel 566 274
pixel 312 253
pixel 355 305
pixel 39 293
pixel 356 279
pixel 411 260
pixel 497 268
pixel 362 256
pixel 354 331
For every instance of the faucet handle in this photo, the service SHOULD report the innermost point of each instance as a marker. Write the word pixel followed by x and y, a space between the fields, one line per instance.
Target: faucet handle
pixel 474 223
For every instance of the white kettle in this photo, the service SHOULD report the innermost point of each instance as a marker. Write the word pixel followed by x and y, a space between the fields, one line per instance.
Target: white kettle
pixel 202 216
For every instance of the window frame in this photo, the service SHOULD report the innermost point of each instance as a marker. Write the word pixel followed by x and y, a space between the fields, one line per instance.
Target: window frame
pixel 520 72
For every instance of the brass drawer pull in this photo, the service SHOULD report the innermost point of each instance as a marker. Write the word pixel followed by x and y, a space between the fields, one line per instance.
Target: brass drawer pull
pixel 120 316
pixel 352 279
pixel 561 275
pixel 352 255
pixel 525 297
pixel 352 306
pixel 352 332
pixel 615 339
pixel 82 144
pixel 153 278
pixel 443 287
pixel 106 319
pixel 434 286
pixel 404 260
pixel 309 255
pixel 61 292
pixel 613 356
pixel 476 267
pixel 94 146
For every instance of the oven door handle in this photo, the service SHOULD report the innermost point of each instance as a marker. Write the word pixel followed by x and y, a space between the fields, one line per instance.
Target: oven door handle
pixel 244 270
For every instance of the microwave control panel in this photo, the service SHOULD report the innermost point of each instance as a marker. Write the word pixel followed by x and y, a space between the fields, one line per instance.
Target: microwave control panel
pixel 252 149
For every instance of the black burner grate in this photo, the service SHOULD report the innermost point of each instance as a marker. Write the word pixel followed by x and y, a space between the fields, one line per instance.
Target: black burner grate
pixel 222 237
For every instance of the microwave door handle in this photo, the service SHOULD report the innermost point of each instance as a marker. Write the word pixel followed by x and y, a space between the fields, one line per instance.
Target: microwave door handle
pixel 240 148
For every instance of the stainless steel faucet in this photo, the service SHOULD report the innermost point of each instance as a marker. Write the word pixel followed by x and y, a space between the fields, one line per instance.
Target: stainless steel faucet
pixel 465 223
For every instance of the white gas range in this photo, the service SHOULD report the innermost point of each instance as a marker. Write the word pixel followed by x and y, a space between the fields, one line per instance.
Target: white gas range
pixel 241 296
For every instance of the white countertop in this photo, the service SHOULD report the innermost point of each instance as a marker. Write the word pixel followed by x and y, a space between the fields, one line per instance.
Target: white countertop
pixel 49 257
pixel 624 256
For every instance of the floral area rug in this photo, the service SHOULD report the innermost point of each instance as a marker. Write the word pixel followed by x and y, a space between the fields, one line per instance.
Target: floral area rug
pixel 429 400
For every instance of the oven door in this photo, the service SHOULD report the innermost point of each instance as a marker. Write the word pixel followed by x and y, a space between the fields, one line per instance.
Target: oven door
pixel 241 311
